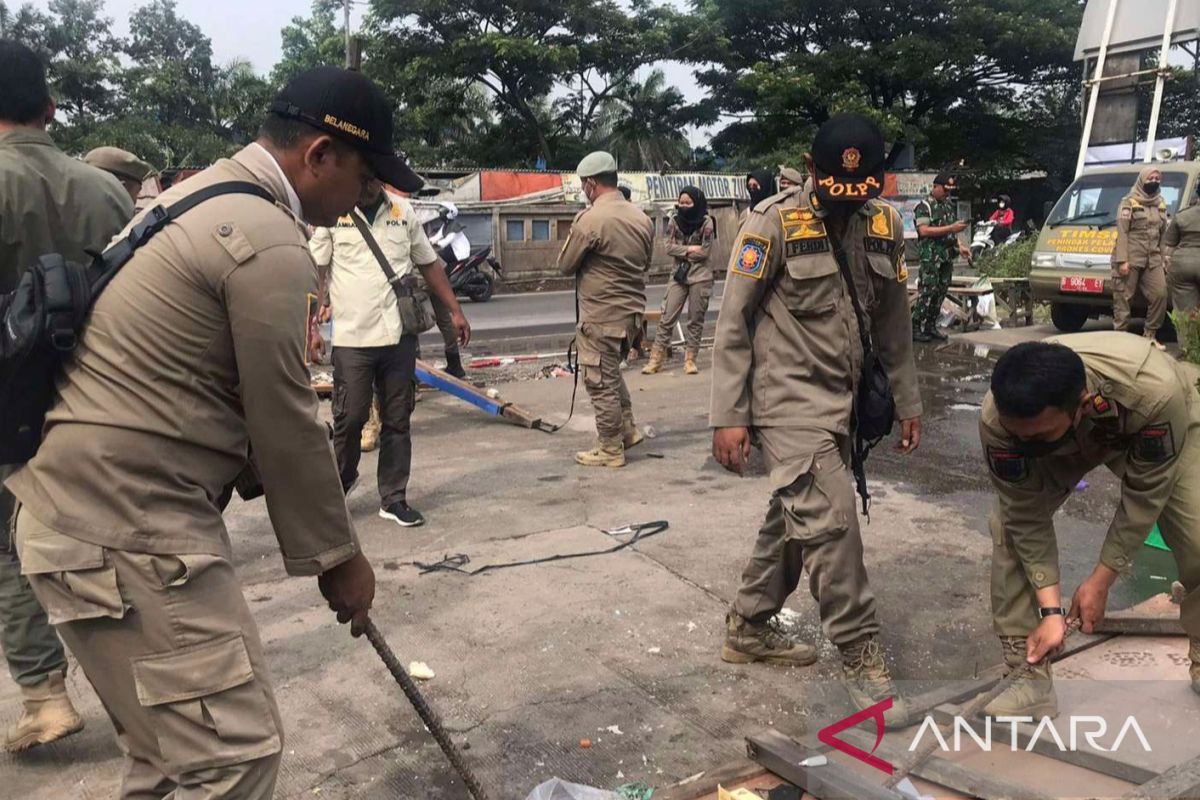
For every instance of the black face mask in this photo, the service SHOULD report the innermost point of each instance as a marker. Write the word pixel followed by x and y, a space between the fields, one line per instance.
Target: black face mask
pixel 1042 449
pixel 688 212
pixel 1151 187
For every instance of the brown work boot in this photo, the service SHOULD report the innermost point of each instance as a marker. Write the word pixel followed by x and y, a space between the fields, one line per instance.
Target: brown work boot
pixel 1194 653
pixel 689 363
pixel 370 431
pixel 746 643
pixel 1032 695
pixel 658 357
pixel 604 454
pixel 631 434
pixel 48 716
pixel 869 681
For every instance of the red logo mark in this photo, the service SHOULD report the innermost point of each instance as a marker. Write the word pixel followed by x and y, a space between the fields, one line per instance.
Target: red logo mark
pixel 828 736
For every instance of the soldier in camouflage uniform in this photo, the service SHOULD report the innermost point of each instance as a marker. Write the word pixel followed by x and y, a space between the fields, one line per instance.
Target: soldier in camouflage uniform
pixel 936 229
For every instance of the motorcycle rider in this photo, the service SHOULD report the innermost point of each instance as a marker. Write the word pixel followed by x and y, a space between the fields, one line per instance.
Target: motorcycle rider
pixel 1004 217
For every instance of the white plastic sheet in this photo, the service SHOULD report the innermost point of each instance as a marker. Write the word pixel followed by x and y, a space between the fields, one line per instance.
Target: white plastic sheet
pixel 557 789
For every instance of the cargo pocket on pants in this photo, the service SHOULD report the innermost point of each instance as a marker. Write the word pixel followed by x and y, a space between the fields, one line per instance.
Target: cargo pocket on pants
pixel 207 708
pixel 817 499
pixel 589 363
pixel 74 580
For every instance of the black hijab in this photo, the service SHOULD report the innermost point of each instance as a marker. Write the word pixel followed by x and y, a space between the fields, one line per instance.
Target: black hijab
pixel 766 186
pixel 690 220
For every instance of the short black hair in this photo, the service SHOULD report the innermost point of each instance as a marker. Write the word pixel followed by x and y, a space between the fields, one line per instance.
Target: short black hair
pixel 285 131
pixel 1034 376
pixel 625 190
pixel 608 179
pixel 24 95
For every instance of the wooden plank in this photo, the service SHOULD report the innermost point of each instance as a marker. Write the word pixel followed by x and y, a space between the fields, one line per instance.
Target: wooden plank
pixel 1142 626
pixel 1181 782
pixel 946 773
pixel 468 393
pixel 1093 760
pixel 832 781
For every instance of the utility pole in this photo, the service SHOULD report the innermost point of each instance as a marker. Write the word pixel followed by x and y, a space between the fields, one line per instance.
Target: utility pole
pixel 346 23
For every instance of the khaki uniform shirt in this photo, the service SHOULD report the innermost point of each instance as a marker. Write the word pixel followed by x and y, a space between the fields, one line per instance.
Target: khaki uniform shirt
pixel 787 349
pixel 1140 230
pixel 1183 235
pixel 609 251
pixel 699 268
pixel 365 310
pixel 52 203
pixel 195 349
pixel 1145 410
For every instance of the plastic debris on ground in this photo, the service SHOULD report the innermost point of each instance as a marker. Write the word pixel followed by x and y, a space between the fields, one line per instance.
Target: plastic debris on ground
pixel 420 670
pixel 1079 487
pixel 635 791
pixel 558 789
pixel 736 794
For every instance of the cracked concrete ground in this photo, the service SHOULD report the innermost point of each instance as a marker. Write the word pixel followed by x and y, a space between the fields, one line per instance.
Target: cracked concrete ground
pixel 531 660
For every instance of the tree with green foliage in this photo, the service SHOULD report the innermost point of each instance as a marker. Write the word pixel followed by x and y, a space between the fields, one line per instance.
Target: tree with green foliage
pixel 954 77
pixel 642 125
pixel 313 41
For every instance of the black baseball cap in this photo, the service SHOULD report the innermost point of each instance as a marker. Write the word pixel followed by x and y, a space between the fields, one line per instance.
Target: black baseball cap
pixel 348 105
pixel 947 179
pixel 848 159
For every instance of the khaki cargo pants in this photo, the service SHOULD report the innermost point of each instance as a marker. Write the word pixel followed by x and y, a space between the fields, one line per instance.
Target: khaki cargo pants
pixel 169 645
pixel 1152 281
pixel 601 348
pixel 1014 599
pixel 696 296
pixel 811 525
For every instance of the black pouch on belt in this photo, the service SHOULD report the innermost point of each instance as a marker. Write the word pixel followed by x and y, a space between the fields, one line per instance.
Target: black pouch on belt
pixel 681 272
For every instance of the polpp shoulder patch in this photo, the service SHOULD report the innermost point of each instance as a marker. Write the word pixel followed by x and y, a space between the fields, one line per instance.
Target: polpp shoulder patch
pixel 751 260
pixel 1154 444
pixel 1008 465
pixel 881 225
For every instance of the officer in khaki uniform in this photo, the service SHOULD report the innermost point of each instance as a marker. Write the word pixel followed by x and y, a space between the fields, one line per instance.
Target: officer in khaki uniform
pixel 786 360
pixel 195 349
pixel 63 206
pixel 1137 257
pixel 123 165
pixel 1057 410
pixel 607 251
pixel 1183 236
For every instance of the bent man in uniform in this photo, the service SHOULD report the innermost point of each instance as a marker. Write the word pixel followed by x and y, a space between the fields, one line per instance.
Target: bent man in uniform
pixel 786 361
pixel 608 252
pixel 1137 257
pixel 1058 409
pixel 196 348
pixel 937 228
pixel 123 165
pixel 64 207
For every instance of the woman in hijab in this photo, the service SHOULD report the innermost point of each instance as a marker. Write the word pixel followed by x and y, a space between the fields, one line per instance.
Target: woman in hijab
pixel 689 241
pixel 1137 258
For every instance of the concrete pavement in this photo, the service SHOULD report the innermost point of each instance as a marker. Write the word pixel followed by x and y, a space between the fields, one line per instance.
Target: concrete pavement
pixel 621 649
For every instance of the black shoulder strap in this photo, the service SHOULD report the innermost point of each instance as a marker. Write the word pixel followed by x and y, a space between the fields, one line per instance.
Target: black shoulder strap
pixel 103 269
pixel 864 332
pixel 377 251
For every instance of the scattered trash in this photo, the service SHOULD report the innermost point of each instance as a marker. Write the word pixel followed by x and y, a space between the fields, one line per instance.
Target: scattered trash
pixel 814 761
pixel 420 671
pixel 615 730
pixel 906 788
pixel 493 393
pixel 635 791
pixel 654 651
pixel 650 431
pixel 691 626
pixel 655 455
pixel 964 407
pixel 1079 487
pixel 585 743
pixel 558 789
pixel 736 794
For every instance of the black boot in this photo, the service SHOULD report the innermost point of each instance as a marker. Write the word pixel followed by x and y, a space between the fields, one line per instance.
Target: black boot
pixel 934 333
pixel 921 336
pixel 454 365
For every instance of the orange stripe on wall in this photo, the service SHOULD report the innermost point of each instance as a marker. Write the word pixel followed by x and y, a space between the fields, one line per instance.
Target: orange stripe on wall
pixel 507 185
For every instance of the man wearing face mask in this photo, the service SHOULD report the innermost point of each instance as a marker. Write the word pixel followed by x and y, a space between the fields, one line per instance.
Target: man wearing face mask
pixel 1058 409
pixel 1137 257
pixel 759 186
pixel 786 362
pixel 937 229
pixel 608 252
pixel 690 237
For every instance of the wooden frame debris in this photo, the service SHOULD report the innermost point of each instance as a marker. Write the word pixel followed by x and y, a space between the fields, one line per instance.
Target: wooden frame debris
pixel 833 781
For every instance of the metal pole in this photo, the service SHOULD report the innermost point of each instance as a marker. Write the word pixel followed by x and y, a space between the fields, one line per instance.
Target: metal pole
pixel 1160 84
pixel 1091 110
pixel 346 25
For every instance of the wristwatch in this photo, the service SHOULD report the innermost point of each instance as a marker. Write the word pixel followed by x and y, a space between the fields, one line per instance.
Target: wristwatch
pixel 1049 611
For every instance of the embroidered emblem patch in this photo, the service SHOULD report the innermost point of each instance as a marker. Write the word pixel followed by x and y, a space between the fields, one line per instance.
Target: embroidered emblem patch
pixel 901 269
pixel 752 255
pixel 395 212
pixel 1100 404
pixel 851 158
pixel 1008 465
pixel 1154 444
pixel 881 224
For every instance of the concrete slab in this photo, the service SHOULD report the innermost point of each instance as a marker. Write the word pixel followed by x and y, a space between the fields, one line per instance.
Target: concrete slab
pixel 530 660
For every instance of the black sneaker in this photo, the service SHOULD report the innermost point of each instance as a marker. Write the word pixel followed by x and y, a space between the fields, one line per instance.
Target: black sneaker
pixel 402 514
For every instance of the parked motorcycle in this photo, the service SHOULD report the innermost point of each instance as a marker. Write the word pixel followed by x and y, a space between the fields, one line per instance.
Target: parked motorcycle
pixel 475 276
pixel 983 241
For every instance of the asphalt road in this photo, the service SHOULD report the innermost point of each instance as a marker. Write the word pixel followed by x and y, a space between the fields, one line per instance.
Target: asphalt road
pixel 532 320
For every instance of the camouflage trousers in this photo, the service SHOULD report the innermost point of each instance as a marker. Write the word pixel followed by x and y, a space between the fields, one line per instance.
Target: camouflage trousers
pixel 933 281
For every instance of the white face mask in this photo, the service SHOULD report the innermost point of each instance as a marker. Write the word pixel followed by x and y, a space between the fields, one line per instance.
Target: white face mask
pixel 1003 204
